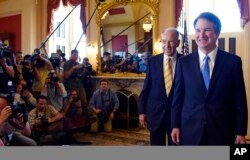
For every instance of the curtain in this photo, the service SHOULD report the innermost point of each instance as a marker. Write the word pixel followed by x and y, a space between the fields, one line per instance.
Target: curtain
pixel 178 8
pixel 244 12
pixel 53 6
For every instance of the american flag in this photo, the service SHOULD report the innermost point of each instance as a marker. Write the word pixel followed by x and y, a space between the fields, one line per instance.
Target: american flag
pixel 185 46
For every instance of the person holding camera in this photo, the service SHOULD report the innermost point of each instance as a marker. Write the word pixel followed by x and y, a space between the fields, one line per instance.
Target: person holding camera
pixel 27 71
pixel 41 68
pixel 72 105
pixel 104 103
pixel 10 134
pixel 6 70
pixel 41 115
pixel 74 74
pixel 55 91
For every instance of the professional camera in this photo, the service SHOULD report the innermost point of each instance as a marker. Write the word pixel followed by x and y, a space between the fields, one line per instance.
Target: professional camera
pixel 55 60
pixel 44 121
pixel 34 57
pixel 5 52
pixel 16 109
pixel 53 77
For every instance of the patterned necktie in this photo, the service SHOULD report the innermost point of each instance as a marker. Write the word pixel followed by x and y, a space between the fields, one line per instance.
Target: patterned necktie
pixel 206 72
pixel 168 75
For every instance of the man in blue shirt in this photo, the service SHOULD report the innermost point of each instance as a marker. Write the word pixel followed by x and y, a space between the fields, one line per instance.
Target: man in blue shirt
pixel 104 102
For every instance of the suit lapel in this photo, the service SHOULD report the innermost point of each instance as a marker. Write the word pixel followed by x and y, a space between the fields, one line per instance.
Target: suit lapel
pixel 161 74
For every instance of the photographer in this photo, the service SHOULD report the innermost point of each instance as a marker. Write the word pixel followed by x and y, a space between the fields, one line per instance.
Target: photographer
pixel 54 90
pixel 88 82
pixel 108 65
pixel 104 103
pixel 56 61
pixel 6 69
pixel 42 115
pixel 74 74
pixel 41 66
pixel 10 135
pixel 72 105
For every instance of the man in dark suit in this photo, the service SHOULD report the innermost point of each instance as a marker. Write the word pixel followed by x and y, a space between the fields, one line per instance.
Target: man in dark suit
pixel 156 96
pixel 209 105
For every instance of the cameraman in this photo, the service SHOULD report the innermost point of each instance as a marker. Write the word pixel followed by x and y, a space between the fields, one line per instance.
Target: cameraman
pixel 41 66
pixel 56 61
pixel 55 91
pixel 72 106
pixel 9 134
pixel 104 103
pixel 73 76
pixel 41 115
pixel 6 70
pixel 27 70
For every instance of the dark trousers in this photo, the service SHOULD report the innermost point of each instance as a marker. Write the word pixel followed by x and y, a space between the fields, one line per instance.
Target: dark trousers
pixel 204 137
pixel 158 137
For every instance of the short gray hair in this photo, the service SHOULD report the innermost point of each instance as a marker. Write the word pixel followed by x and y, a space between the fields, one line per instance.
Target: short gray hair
pixel 171 29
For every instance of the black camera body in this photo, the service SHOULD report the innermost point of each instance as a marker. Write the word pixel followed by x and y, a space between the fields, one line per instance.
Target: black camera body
pixel 16 109
pixel 55 62
pixel 53 77
pixel 5 52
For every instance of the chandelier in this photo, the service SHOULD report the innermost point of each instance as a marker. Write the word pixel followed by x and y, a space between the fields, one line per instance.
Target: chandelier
pixel 147 26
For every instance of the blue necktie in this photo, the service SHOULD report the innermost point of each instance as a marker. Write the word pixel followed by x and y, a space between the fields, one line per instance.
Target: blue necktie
pixel 206 72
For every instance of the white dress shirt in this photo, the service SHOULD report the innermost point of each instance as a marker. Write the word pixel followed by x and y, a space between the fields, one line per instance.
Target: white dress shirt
pixel 212 57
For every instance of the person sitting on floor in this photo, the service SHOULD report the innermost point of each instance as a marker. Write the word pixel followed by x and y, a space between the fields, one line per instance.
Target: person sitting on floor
pixel 104 102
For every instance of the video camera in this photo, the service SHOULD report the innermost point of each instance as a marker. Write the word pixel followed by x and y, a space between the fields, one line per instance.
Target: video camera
pixel 35 55
pixel 55 60
pixel 5 51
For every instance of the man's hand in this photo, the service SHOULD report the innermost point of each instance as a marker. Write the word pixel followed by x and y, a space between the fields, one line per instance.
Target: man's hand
pixel 111 116
pixel 142 120
pixel 5 113
pixel 175 135
pixel 240 139
pixel 78 66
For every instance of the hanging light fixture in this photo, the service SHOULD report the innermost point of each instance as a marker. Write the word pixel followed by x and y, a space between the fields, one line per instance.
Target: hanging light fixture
pixel 147 26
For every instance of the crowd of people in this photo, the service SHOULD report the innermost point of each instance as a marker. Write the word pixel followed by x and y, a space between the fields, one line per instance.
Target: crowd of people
pixel 38 90
pixel 112 63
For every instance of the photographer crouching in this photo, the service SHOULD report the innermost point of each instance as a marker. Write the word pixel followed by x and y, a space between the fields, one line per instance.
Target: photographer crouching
pixel 10 135
pixel 104 103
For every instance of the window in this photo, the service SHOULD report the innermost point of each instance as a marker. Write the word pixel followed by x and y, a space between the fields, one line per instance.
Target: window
pixel 62 30
pixel 227 11
pixel 68 34
pixel 58 29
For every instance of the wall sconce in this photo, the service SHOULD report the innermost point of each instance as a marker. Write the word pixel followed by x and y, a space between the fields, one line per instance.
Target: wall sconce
pixel 147 26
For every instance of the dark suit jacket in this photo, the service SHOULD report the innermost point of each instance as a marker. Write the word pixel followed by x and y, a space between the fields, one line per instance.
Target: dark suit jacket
pixel 223 108
pixel 153 100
